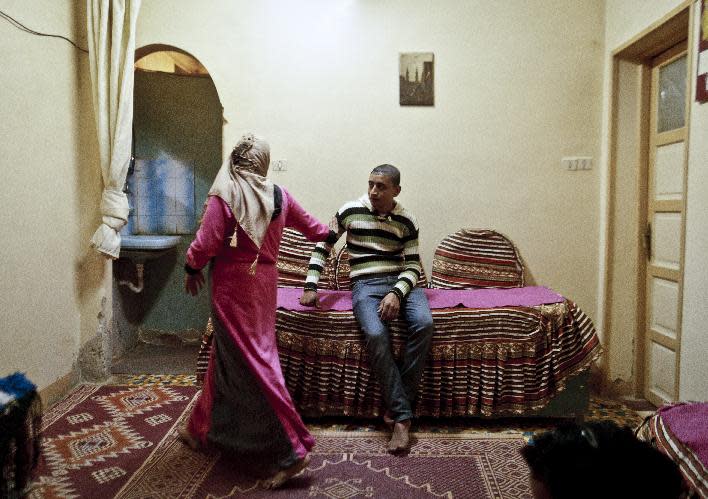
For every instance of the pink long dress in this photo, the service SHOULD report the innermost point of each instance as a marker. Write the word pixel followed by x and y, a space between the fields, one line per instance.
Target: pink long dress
pixel 244 406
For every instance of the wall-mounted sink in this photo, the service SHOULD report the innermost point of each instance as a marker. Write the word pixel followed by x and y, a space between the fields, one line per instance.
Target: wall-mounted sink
pixel 138 247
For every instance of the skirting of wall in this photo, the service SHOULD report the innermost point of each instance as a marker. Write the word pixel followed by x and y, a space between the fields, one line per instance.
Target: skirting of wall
pixel 59 388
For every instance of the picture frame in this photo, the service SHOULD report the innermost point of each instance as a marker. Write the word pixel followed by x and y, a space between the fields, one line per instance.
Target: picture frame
pixel 416 77
pixel 702 69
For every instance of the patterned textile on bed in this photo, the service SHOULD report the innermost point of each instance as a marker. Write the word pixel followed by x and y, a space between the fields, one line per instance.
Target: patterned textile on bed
pixel 476 259
pixel 483 361
pixel 491 362
pixel 341 271
pixel 681 432
pixel 294 258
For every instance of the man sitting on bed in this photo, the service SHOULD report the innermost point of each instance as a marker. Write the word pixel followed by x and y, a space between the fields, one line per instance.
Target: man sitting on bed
pixel 382 241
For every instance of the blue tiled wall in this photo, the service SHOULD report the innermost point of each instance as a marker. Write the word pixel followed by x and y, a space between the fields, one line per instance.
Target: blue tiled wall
pixel 161 193
pixel 178 133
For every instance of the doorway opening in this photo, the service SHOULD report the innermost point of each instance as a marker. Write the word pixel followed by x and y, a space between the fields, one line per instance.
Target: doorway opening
pixel 177 151
pixel 649 128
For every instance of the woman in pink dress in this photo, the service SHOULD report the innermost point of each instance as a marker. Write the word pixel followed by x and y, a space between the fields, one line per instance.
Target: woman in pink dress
pixel 244 407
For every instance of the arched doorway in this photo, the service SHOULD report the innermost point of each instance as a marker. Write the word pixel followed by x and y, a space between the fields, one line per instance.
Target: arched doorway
pixel 168 59
pixel 177 148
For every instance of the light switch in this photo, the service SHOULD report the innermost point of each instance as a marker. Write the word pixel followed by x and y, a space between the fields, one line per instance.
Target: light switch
pixel 574 163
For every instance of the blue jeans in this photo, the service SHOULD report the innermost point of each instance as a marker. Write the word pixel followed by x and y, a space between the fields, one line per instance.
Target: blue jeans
pixel 399 386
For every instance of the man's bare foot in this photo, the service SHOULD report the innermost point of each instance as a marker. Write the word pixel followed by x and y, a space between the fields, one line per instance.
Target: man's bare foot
pixel 400 440
pixel 187 438
pixel 283 476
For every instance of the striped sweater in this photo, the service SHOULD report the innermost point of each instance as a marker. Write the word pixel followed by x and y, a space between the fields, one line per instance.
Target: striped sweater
pixel 377 245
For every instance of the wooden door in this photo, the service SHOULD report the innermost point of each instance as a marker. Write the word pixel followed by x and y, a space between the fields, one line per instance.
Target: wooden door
pixel 664 236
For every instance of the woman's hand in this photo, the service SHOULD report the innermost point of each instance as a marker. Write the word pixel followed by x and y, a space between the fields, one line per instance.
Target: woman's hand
pixel 193 283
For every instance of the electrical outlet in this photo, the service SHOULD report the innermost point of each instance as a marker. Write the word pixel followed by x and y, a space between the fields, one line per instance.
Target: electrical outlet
pixel 280 165
pixel 574 163
pixel 570 163
pixel 585 163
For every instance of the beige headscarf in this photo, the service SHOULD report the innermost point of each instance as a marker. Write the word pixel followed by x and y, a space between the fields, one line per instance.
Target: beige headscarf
pixel 242 184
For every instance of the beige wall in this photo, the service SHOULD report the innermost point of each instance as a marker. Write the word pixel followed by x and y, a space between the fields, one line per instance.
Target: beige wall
pixel 52 283
pixel 626 18
pixel 517 84
pixel 624 259
pixel 623 22
pixel 694 336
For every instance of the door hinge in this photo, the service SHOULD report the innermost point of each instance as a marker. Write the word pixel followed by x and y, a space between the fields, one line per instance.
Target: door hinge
pixel 647 241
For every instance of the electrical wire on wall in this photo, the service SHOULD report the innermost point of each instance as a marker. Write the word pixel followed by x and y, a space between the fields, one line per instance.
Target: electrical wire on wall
pixel 24 28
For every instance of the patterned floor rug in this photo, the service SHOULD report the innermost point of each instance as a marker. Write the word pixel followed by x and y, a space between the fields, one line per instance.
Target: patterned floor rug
pixel 120 441
pixel 348 465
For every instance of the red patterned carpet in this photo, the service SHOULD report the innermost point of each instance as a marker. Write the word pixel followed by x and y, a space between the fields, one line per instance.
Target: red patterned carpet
pixel 120 441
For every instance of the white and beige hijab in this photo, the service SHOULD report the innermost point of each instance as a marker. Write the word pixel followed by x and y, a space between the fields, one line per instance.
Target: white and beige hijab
pixel 242 184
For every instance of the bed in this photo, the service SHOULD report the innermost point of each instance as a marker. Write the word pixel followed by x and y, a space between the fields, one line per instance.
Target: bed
pixel 504 357
pixel 681 432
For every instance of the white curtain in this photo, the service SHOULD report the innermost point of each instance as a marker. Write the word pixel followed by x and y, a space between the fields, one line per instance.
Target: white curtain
pixel 111 42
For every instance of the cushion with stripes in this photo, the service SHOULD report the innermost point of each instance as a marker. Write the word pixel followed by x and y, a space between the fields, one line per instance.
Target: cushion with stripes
pixel 294 259
pixel 476 259
pixel 342 278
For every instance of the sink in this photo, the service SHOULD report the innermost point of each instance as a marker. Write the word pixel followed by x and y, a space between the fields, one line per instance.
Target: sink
pixel 138 247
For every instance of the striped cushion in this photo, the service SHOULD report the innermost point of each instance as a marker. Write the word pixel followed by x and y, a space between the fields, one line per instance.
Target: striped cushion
pixel 342 278
pixel 294 258
pixel 477 259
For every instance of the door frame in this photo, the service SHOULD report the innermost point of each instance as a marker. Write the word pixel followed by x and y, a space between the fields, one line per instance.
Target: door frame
pixel 674 27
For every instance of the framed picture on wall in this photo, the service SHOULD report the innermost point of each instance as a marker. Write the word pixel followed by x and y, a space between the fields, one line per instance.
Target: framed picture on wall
pixel 702 76
pixel 416 74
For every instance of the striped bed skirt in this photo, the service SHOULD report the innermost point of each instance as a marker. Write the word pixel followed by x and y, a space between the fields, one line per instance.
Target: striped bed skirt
pixel 483 362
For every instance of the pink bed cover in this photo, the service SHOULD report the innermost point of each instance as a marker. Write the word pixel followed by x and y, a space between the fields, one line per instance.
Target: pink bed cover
pixel 689 423
pixel 528 296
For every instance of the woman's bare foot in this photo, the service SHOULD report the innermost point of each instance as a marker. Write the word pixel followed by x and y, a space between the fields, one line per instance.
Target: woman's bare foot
pixel 187 438
pixel 283 476
pixel 400 440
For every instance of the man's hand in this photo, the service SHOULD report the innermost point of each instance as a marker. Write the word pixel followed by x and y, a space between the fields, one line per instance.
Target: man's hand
pixel 389 307
pixel 310 299
pixel 193 283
